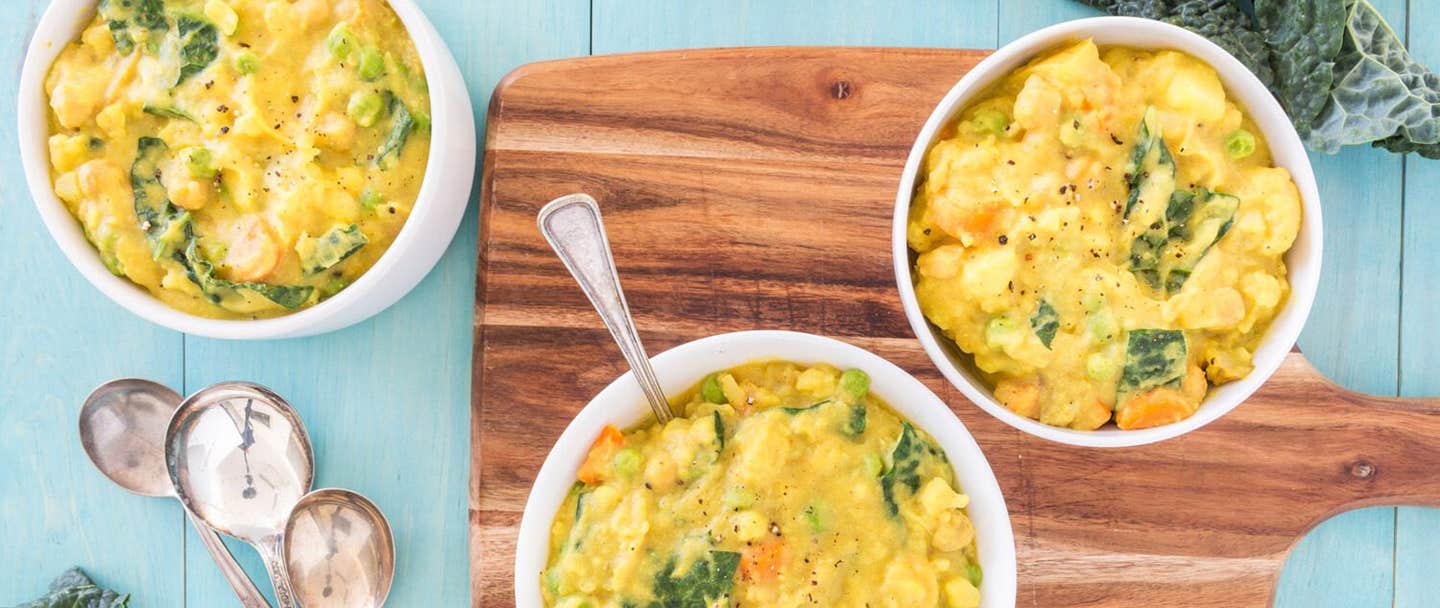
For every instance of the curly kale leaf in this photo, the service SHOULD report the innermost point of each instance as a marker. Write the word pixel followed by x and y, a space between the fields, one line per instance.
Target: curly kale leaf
pixel 1222 21
pixel 332 248
pixel 123 15
pixel 1045 322
pixel 75 590
pixel 400 130
pixel 164 224
pixel 1153 358
pixel 705 583
pixel 1303 39
pixel 1381 95
pixel 1343 75
pixel 199 45
pixel 904 473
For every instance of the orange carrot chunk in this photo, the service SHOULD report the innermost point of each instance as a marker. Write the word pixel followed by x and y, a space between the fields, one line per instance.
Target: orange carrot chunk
pixel 1154 408
pixel 602 453
pixel 761 560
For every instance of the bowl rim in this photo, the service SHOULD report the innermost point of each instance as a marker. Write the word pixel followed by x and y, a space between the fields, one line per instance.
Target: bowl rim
pixel 622 403
pixel 444 191
pixel 1242 87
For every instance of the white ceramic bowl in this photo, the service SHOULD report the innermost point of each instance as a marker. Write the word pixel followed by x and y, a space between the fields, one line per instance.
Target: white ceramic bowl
pixel 432 223
pixel 623 405
pixel 1303 260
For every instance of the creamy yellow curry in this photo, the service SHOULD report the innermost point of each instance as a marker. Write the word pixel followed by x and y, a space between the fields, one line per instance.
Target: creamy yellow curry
pixel 1104 232
pixel 239 158
pixel 780 485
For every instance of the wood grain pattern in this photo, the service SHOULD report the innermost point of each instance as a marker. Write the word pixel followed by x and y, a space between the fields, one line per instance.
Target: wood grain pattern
pixel 742 189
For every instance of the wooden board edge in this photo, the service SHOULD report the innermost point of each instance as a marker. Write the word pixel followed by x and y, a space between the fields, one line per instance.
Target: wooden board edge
pixel 475 556
pixel 720 52
pixel 495 117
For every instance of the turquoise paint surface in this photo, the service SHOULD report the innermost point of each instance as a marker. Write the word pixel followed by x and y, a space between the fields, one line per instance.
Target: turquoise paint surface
pixel 387 401
pixel 1417 549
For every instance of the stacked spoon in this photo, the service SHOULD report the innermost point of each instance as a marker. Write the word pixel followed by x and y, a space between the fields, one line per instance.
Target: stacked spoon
pixel 238 458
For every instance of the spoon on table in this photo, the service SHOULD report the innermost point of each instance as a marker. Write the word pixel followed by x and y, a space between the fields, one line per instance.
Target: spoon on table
pixel 122 428
pixel 240 460
pixel 572 225
pixel 338 551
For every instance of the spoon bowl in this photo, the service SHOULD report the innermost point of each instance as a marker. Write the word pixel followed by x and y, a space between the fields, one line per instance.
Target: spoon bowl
pixel 240 460
pixel 339 551
pixel 122 428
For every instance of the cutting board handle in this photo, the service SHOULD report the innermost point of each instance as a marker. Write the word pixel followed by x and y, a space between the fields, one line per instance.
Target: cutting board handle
pixel 1382 450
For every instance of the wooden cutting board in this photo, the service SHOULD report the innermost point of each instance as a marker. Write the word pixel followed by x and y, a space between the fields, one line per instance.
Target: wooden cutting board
pixel 753 189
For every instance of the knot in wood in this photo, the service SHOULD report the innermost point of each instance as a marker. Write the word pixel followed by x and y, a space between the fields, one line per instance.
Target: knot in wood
pixel 841 89
pixel 1362 469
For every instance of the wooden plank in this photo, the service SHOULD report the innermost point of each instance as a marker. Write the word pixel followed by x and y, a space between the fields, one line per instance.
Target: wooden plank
pixel 1417 552
pixel 1019 18
pixel 387 401
pixel 59 338
pixel 1351 337
pixel 1359 547
pixel 680 219
pixel 1417 531
pixel 642 25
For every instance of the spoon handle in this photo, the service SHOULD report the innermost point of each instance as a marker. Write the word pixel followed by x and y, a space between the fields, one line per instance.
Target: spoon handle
pixel 269 549
pixel 573 227
pixel 250 597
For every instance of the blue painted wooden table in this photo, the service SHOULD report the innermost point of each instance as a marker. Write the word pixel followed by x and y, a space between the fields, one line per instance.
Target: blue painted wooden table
pixel 387 401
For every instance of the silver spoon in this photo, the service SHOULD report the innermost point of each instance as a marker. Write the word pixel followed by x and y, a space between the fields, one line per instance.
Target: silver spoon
pixel 572 225
pixel 122 427
pixel 339 551
pixel 240 460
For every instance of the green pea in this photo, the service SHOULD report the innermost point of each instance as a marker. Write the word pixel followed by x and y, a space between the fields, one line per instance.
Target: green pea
pixel 246 62
pixel 972 572
pixel 1101 367
pixel 1001 332
pixel 739 498
pixel 990 121
pixel 855 384
pixel 200 163
pixel 1102 325
pixel 1240 144
pixel 370 199
pixel 710 389
pixel 365 108
pixel 340 42
pixel 627 462
pixel 372 63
